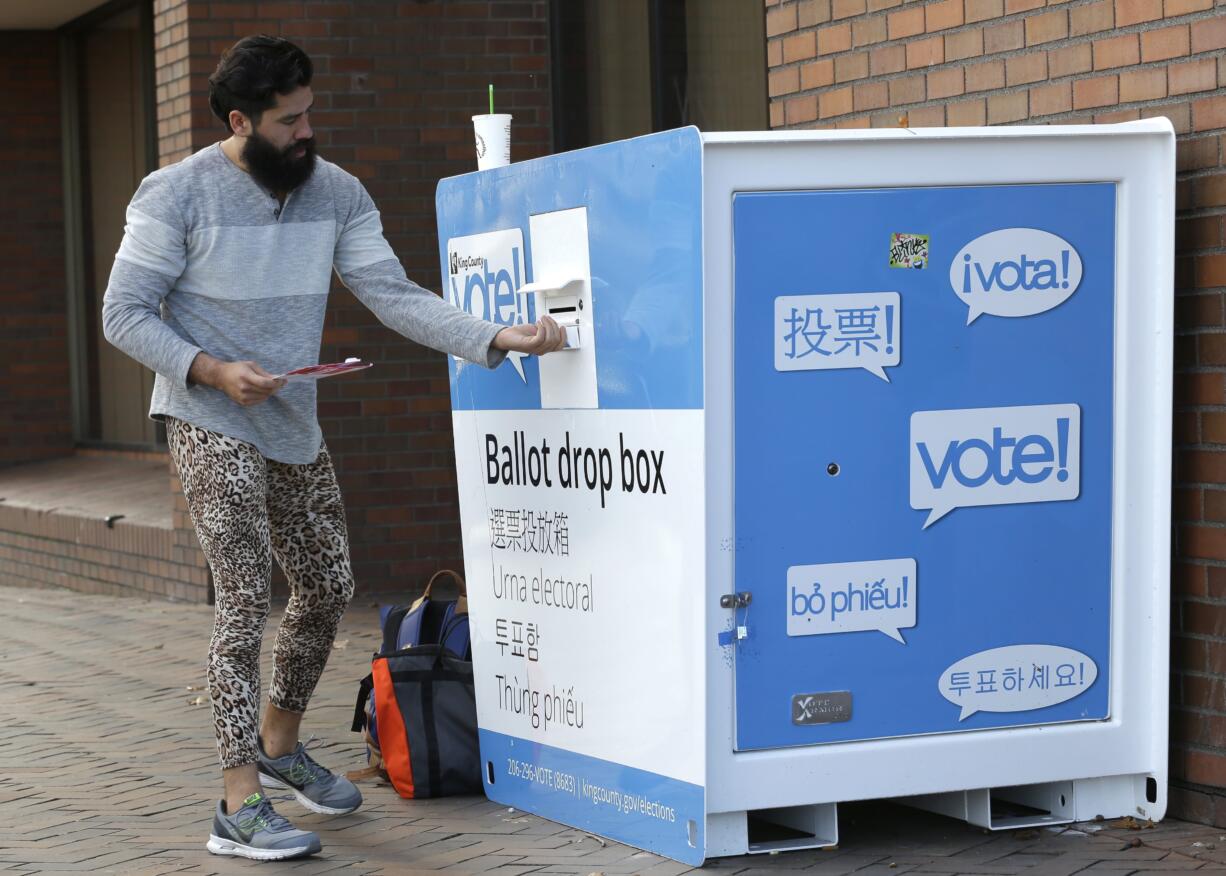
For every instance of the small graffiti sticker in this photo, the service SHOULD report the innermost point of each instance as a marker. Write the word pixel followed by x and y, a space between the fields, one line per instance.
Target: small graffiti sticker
pixel 908 250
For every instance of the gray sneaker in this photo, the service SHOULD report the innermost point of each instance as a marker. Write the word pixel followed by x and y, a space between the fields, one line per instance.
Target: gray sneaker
pixel 314 786
pixel 256 831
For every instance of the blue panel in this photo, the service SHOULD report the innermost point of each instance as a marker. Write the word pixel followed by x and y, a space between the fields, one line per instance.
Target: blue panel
pixel 988 577
pixel 631 806
pixel 644 201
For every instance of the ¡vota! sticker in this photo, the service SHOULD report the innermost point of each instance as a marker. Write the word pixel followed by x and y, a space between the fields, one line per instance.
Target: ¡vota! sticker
pixel 1014 272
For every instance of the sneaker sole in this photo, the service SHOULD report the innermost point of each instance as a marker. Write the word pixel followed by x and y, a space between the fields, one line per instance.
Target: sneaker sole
pixel 220 846
pixel 273 782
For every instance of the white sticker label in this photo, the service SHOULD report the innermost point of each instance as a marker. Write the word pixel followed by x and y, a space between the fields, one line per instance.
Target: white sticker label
pixel 1017 678
pixel 484 273
pixel 1014 272
pixel 994 456
pixel 826 332
pixel 852 597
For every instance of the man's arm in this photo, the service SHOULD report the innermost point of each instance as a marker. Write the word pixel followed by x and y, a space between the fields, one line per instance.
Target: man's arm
pixel 151 257
pixel 367 265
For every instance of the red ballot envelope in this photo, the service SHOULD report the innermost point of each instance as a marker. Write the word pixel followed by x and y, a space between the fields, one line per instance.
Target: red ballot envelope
pixel 314 372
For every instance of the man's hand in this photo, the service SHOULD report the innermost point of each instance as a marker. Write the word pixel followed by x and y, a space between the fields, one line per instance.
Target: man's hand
pixel 535 339
pixel 244 382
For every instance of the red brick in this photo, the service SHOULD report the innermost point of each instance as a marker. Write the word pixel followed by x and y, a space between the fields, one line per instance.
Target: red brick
pixel 964 44
pixel 1186 503
pixel 1209 191
pixel 1174 8
pixel 1210 270
pixel 847 8
pixel 967 113
pixel 1136 11
pixel 945 83
pixel 1198 154
pixel 780 20
pixel 1192 76
pixel 783 81
pixel 835 103
pixel 1206 543
pixel 1023 69
pixel 1050 99
pixel 1121 51
pixel 983 10
pixel 776 114
pixel 1013 7
pixel 799 47
pixel 1100 91
pixel 1179 115
pixel 834 38
pixel 1201 388
pixel 1003 37
pixel 1046 27
pixel 870 96
pixel 1213 423
pixel 1093 18
pixel 868 31
pixel 906 22
pixel 887 59
pixel 1069 60
pixel 909 89
pixel 1208 35
pixel 1003 108
pixel 1165 43
pixel 925 53
pixel 943 15
pixel 800 109
pixel 1209 114
pixel 1145 84
pixel 1202 232
pixel 817 74
pixel 774 53
pixel 850 67
pixel 813 12
pixel 987 76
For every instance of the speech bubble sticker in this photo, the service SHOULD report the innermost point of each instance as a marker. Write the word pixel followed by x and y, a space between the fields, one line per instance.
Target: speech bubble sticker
pixel 994 456
pixel 852 597
pixel 838 331
pixel 1014 272
pixel 1016 678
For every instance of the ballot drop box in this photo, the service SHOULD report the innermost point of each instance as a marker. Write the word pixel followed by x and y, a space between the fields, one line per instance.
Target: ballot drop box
pixel 853 481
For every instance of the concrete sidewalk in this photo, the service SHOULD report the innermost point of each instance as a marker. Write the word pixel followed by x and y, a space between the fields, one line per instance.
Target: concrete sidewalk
pixel 107 765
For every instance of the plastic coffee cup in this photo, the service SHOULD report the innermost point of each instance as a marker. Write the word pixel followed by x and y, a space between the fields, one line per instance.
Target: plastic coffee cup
pixel 493 133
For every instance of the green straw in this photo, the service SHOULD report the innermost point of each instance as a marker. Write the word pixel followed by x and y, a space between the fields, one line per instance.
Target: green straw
pixel 491 98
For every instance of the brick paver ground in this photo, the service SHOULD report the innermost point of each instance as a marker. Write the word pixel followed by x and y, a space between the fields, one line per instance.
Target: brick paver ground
pixel 107 765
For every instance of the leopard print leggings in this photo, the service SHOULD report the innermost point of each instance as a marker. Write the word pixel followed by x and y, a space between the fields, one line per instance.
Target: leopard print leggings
pixel 247 509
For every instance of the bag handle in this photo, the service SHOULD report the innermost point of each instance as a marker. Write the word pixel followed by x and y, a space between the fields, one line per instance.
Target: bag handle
pixel 459 579
pixel 359 710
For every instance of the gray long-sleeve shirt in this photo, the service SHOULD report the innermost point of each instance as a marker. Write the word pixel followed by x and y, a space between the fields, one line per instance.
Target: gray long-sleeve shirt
pixel 211 262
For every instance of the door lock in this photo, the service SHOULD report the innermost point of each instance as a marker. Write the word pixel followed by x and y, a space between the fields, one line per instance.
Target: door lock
pixel 736 600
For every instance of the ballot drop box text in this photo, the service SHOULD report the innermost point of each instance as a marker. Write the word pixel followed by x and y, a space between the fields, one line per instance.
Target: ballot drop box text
pixel 852 483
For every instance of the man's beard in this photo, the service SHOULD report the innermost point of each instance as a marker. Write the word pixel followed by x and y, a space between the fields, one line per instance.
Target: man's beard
pixel 275 169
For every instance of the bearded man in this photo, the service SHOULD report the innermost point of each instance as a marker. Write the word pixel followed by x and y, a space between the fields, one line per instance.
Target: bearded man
pixel 221 283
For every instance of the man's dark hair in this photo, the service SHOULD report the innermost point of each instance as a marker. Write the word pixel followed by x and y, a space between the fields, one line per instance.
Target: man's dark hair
pixel 252 72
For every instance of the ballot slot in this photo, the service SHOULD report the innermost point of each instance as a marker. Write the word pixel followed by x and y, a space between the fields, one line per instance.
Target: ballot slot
pixel 564 303
pixel 562 289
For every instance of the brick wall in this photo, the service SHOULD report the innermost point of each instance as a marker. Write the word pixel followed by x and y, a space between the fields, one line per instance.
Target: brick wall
pixel 35 401
pixel 881 63
pixel 396 84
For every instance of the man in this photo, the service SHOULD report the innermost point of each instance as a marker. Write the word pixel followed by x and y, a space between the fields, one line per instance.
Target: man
pixel 220 283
